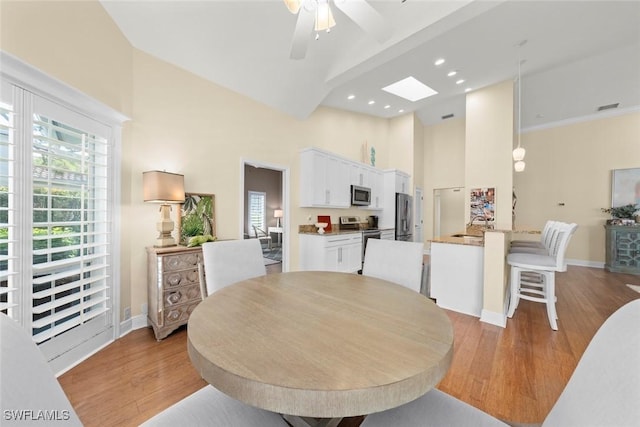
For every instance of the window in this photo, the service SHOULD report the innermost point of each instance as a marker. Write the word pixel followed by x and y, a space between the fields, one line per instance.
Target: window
pixel 57 226
pixel 257 210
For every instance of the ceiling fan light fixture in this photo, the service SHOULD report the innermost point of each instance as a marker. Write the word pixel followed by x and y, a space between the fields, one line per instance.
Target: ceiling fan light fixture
pixel 324 17
pixel 293 6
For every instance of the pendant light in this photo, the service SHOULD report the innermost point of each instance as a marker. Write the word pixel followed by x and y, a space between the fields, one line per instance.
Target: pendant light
pixel 519 152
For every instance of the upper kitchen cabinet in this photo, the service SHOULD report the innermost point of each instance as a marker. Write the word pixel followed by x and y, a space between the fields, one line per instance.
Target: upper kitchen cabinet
pixel 376 183
pixel 324 180
pixel 399 180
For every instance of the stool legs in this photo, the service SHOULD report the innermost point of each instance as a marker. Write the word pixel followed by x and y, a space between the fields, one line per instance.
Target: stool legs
pixel 532 285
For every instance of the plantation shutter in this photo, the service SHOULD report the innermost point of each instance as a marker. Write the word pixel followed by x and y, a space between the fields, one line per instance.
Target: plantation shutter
pixel 257 209
pixel 9 286
pixel 71 221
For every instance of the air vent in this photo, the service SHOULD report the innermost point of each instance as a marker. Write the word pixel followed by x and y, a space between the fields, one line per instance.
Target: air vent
pixel 447 116
pixel 608 107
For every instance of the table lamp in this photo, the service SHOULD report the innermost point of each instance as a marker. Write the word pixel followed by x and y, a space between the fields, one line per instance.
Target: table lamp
pixel 164 188
pixel 277 214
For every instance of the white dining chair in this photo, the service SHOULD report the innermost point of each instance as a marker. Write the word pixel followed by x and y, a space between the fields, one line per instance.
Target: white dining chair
pixel 604 389
pixel 395 261
pixel 230 261
pixel 210 407
pixel 533 275
pixel 26 380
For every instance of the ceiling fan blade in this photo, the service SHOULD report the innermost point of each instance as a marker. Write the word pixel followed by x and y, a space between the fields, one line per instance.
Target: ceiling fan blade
pixel 367 18
pixel 302 33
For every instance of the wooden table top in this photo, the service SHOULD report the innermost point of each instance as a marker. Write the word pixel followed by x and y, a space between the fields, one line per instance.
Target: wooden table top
pixel 320 344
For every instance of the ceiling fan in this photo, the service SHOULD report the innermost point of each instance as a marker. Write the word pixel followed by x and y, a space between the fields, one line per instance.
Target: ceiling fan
pixel 316 15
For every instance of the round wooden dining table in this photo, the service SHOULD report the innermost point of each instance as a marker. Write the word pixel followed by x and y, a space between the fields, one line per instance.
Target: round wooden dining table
pixel 320 344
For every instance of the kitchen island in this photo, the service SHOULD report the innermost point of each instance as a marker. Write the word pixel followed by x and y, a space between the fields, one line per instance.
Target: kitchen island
pixel 457 273
pixel 469 273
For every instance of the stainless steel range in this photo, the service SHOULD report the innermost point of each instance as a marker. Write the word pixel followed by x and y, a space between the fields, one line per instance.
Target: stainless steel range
pixel 354 223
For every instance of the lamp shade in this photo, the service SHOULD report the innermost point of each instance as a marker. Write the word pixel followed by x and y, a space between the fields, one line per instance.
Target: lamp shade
pixel 519 166
pixel 162 187
pixel 277 213
pixel 518 154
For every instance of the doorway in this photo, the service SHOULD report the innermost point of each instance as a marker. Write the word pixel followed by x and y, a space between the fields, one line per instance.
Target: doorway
pixel 265 211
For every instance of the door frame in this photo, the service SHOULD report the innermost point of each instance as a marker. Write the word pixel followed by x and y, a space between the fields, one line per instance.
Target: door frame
pixel 286 203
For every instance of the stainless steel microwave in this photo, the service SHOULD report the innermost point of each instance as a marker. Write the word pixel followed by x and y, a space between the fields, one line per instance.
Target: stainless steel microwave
pixel 360 196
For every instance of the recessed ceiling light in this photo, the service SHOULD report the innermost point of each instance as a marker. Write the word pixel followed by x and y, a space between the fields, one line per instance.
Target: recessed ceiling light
pixel 459 82
pixel 452 73
pixel 350 97
pixel 410 88
pixel 400 111
pixel 386 107
pixel 439 61
pixel 372 102
pixel 468 89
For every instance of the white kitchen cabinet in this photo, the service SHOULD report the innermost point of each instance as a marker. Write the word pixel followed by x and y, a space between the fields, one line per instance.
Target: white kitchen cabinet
pixel 324 180
pixel 376 183
pixel 359 174
pixel 337 252
pixel 400 181
pixel 457 281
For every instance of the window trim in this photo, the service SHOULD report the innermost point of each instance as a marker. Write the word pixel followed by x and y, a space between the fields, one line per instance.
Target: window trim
pixel 16 72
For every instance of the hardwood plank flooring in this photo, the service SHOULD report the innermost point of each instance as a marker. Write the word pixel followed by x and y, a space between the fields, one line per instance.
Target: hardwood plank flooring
pixel 515 373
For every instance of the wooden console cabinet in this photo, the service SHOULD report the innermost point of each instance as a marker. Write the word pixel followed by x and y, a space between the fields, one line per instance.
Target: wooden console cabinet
pixel 623 249
pixel 173 287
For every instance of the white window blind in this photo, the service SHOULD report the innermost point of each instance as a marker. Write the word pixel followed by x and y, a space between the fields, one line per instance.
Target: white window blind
pixel 8 270
pixel 257 209
pixel 70 227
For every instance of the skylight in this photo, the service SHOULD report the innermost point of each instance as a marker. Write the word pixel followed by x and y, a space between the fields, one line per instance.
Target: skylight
pixel 410 88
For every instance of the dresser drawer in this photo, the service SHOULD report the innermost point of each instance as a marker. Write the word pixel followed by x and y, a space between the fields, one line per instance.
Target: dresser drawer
pixel 181 296
pixel 180 278
pixel 180 262
pixel 178 314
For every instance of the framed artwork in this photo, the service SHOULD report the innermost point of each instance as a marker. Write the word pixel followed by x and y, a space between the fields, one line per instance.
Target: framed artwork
pixel 625 187
pixel 197 216
pixel 483 206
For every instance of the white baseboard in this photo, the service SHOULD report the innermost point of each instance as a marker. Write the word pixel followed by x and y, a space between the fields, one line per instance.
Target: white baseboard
pixel 493 318
pixel 583 263
pixel 136 322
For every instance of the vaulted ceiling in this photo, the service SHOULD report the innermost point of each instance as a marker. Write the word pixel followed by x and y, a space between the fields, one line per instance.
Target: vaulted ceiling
pixel 579 55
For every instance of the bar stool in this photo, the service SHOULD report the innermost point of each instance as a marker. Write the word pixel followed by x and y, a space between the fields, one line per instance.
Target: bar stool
pixel 533 274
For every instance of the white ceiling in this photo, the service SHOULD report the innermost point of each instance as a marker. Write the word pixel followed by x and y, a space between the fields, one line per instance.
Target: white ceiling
pixel 579 54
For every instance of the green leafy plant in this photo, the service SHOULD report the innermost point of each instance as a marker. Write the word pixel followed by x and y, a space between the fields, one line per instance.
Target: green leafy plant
pixel 623 212
pixel 192 226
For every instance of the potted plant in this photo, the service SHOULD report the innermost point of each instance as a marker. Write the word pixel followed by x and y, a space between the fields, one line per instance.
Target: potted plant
pixel 623 215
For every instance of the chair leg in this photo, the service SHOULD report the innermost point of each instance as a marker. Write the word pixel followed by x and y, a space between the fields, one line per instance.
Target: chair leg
pixel 514 287
pixel 550 294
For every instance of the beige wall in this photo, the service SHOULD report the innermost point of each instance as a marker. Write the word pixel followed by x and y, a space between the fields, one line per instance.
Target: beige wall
pixel 488 146
pixel 443 160
pixel 572 165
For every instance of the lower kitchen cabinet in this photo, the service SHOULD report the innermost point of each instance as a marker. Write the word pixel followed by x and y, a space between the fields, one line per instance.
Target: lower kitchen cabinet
pixel 333 252
pixel 173 287
pixel 623 249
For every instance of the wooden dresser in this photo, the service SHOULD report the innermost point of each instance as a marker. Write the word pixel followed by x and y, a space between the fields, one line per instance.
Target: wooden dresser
pixel 173 287
pixel 623 248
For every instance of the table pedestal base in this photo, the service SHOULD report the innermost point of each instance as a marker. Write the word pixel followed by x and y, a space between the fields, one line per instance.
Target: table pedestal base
pixel 295 421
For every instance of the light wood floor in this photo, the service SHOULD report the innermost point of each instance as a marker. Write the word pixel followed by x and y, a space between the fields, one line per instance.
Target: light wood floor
pixel 515 373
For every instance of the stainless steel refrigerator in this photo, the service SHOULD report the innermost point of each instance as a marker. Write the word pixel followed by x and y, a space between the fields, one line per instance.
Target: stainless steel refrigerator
pixel 404 218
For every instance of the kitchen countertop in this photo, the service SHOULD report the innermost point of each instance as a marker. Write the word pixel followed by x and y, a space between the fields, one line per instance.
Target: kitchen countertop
pixel 335 231
pixel 478 232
